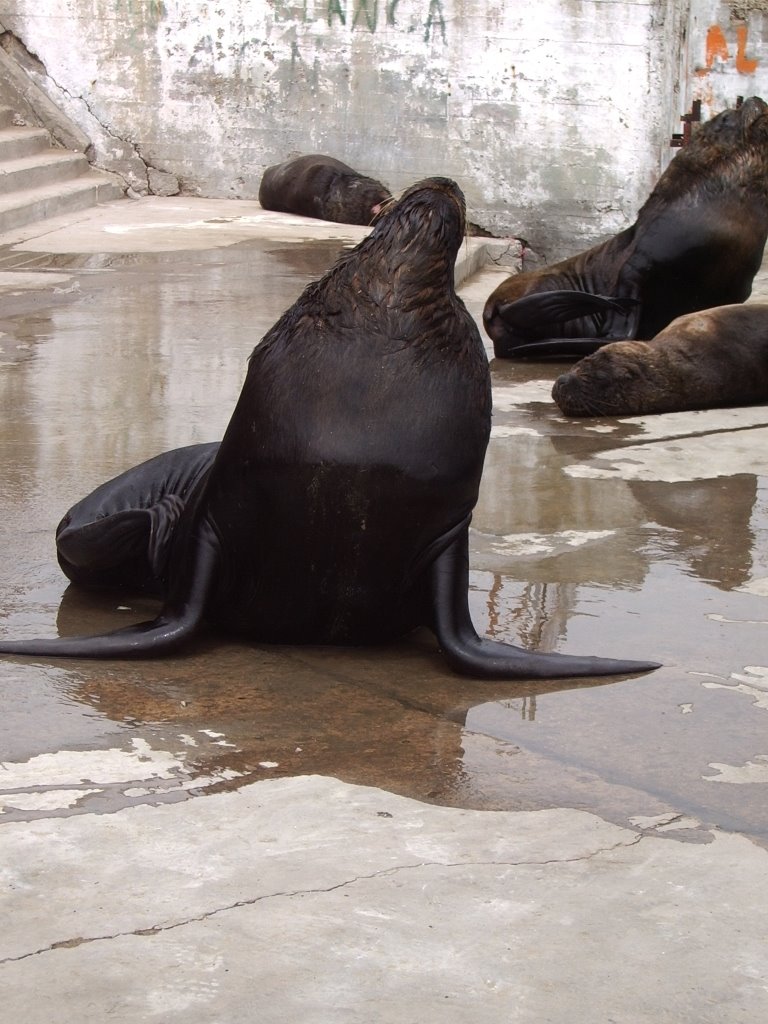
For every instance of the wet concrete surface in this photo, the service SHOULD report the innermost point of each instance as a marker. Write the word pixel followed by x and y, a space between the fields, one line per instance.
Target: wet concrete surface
pixel 606 537
pixel 343 865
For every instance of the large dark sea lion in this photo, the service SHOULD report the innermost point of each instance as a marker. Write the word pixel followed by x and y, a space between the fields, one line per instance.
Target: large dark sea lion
pixel 320 186
pixel 697 242
pixel 336 509
pixel 712 358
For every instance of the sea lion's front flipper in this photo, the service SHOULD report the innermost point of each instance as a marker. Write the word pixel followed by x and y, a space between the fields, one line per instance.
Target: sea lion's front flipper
pixel 179 619
pixel 472 655
pixel 532 312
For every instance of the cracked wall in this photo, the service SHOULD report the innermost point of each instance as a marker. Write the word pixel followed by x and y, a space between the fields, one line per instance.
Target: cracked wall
pixel 554 117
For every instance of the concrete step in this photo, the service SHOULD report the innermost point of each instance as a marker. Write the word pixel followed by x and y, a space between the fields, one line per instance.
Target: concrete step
pixel 40 180
pixel 41 169
pixel 33 204
pixel 16 142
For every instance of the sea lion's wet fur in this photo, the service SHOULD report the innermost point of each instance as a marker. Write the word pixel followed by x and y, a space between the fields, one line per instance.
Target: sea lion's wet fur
pixel 697 242
pixel 337 507
pixel 716 357
pixel 321 186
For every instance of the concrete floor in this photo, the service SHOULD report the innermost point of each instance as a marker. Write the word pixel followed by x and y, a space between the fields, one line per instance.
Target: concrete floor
pixel 379 840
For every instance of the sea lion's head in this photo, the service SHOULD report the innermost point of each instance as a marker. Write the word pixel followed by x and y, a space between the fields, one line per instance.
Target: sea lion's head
pixel 624 378
pixel 735 126
pixel 432 211
pixel 412 248
pixel 357 200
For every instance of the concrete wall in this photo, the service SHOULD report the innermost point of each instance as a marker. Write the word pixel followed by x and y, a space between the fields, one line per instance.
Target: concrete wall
pixel 554 116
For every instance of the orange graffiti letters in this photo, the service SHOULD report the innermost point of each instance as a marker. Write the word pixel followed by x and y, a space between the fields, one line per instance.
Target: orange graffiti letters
pixel 717 50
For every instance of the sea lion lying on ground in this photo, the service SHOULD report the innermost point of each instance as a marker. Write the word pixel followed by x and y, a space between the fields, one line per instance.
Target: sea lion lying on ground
pixel 697 242
pixel 320 186
pixel 712 358
pixel 336 509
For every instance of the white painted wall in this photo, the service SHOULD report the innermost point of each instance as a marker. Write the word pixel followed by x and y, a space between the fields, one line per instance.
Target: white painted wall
pixel 553 115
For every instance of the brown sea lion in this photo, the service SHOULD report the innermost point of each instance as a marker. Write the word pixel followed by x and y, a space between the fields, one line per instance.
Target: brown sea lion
pixel 320 186
pixel 697 242
pixel 711 358
pixel 336 509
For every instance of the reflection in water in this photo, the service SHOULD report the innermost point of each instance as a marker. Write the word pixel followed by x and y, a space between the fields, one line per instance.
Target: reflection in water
pixel 709 522
pixel 388 717
pixel 102 610
pixel 536 613
pixel 309 261
pixel 525 492
pixel 706 522
pixel 20 335
pixel 525 707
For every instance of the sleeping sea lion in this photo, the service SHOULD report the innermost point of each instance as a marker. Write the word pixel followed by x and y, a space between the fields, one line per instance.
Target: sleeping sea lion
pixel 712 358
pixel 320 186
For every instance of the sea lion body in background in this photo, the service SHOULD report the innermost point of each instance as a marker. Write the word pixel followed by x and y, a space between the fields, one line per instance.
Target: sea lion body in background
pixel 320 186
pixel 697 243
pixel 336 509
pixel 716 357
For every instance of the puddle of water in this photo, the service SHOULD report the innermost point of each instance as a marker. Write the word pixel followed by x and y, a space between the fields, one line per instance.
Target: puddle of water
pixel 149 353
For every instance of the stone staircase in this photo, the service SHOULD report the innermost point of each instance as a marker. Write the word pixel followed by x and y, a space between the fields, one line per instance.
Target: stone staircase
pixel 39 180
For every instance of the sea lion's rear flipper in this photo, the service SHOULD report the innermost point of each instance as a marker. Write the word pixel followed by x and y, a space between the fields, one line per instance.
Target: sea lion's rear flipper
pixel 179 619
pixel 120 534
pixel 98 545
pixel 127 548
pixel 472 655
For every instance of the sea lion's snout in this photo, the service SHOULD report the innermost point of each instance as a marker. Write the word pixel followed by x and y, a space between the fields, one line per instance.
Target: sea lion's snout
pixel 565 393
